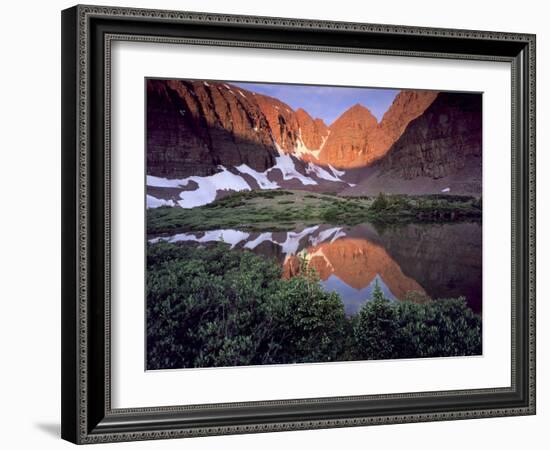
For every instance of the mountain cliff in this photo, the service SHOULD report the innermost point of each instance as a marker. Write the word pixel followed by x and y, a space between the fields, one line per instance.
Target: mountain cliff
pixel 407 106
pixel 439 151
pixel 349 142
pixel 222 137
pixel 194 126
pixel 439 142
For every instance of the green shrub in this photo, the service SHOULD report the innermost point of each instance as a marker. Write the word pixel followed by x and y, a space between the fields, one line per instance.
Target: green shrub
pixel 211 307
pixel 376 329
pixel 380 202
pixel 391 330
pixel 331 214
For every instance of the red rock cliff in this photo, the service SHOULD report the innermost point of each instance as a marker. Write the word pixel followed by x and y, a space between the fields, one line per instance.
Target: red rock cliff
pixel 357 139
pixel 349 142
pixel 193 126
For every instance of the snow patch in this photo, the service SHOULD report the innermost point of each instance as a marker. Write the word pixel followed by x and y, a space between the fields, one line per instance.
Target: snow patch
pixel 209 186
pixel 302 149
pixel 337 173
pixel 261 238
pixel 242 95
pixel 153 202
pixel 312 168
pixel 324 140
pixel 325 235
pixel 319 254
pixel 446 190
pixel 289 246
pixel 292 242
pixel 340 234
pixel 227 86
pixel 165 182
pixel 286 165
pixel 232 237
pixel 260 177
pixel 205 83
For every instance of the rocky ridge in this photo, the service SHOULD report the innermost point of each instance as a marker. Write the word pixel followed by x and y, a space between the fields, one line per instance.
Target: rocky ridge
pixel 204 133
pixel 357 139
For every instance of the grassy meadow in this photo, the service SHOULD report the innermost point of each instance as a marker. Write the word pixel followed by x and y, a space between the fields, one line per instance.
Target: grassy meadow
pixel 284 209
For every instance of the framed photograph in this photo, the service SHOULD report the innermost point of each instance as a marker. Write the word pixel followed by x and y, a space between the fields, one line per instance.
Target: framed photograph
pixel 280 224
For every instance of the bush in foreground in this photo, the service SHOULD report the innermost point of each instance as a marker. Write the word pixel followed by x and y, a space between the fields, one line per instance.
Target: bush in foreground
pixel 388 330
pixel 211 307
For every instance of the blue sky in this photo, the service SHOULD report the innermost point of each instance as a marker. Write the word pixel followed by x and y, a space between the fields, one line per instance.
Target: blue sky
pixel 326 102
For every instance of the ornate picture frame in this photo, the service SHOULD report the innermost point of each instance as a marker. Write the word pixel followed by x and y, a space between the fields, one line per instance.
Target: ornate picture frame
pixel 88 33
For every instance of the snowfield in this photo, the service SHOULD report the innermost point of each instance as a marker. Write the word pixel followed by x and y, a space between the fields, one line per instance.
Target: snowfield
pixel 260 177
pixel 285 164
pixel 226 180
pixel 209 187
pixel 289 246
pixel 337 173
pixel 332 233
pixel 232 237
pixel 320 172
pixel 164 182
pixel 153 202
pixel 302 149
pixel 261 238
pixel 207 190
pixel 292 242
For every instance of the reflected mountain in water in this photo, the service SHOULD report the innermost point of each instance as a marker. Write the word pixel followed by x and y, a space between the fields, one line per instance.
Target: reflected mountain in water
pixel 350 267
pixel 411 261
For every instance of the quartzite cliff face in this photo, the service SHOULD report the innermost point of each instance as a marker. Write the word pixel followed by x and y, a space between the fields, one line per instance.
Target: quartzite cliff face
pixel 349 143
pixel 192 127
pixel 425 143
pixel 195 126
pixel 438 151
pixel 357 139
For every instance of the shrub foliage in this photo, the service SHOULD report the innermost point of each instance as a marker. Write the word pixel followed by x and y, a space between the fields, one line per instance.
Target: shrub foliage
pixel 209 307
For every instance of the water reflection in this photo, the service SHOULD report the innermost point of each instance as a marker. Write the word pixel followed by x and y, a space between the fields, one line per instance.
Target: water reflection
pixel 412 261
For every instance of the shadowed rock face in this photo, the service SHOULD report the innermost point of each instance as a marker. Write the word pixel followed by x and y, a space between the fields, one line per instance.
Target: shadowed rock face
pixel 194 126
pixel 282 121
pixel 440 142
pixel 407 106
pixel 427 142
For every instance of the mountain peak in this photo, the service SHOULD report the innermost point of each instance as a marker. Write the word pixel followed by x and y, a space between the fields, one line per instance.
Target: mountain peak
pixel 370 139
pixel 357 114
